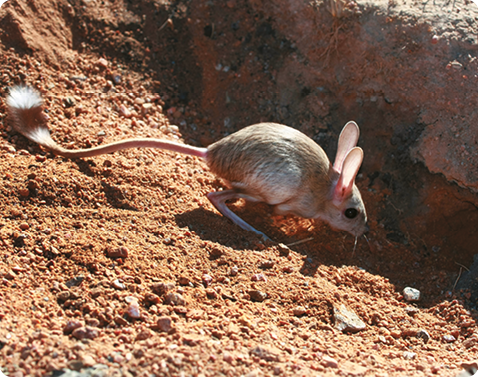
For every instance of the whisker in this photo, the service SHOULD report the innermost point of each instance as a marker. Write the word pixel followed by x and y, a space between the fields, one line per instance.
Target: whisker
pixel 300 241
pixel 368 242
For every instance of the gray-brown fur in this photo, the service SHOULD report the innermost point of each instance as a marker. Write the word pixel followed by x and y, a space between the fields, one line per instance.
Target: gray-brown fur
pixel 275 164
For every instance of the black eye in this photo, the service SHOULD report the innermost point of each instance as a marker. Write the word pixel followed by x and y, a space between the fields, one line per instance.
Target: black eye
pixel 351 213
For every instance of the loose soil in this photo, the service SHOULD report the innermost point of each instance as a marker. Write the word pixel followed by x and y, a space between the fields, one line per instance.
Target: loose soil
pixel 119 266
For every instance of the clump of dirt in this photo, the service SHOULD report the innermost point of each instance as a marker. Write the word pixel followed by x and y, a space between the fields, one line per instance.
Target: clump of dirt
pixel 118 264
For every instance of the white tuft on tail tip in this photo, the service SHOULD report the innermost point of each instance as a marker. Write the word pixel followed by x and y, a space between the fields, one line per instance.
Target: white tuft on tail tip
pixel 23 98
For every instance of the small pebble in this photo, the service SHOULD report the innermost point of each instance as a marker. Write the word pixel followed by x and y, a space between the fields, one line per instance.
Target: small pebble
pixel 80 109
pixel 124 111
pixel 164 324
pixel 162 288
pixel 63 296
pixel 347 321
pixel 180 310
pixel 75 282
pixel 152 298
pixel 102 62
pixel 76 364
pixel 119 252
pixel 228 358
pixel 410 310
pixel 329 362
pixel 71 326
pixel 456 65
pixel 192 339
pixel 448 338
pixel 33 185
pixel 8 148
pixel 233 271
pixel 407 355
pixel 85 333
pixel 24 192
pixel 120 321
pixel 211 294
pixel 411 294
pixel 144 334
pixel 259 277
pixel 283 249
pixel 184 281
pixel 206 280
pixel 396 333
pixel 174 299
pixel 257 296
pixel 468 343
pixel 10 275
pixel 92 322
pixel 146 108
pixel 118 284
pixel 267 264
pixel 299 311
pixel 423 334
pixel 288 269
pixel 216 253
pixel 88 361
pixel 133 311
pixel 15 212
pixel 24 226
pixel 266 353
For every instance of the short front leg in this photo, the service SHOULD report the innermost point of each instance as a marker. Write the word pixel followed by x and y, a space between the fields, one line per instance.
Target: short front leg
pixel 219 198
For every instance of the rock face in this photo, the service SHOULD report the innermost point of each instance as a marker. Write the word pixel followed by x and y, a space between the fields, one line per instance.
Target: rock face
pixel 413 100
pixel 450 147
pixel 441 96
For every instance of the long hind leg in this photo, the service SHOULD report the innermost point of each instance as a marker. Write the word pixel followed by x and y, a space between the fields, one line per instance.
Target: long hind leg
pixel 219 198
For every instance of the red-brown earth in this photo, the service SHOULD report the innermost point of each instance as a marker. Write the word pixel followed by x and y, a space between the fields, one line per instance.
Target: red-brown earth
pixel 118 265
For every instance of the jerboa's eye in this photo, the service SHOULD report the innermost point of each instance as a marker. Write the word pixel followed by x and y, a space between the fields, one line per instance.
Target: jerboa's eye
pixel 351 213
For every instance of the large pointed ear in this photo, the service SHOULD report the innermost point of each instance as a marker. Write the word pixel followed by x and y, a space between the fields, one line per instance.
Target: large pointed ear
pixel 350 168
pixel 347 140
